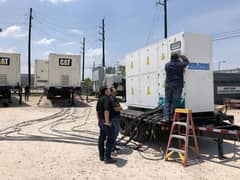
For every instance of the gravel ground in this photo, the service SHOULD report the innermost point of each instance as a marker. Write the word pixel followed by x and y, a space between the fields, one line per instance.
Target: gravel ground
pixel 42 140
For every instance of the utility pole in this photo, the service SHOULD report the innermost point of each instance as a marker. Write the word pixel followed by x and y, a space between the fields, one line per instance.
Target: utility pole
pixel 83 55
pixel 164 4
pixel 102 33
pixel 29 48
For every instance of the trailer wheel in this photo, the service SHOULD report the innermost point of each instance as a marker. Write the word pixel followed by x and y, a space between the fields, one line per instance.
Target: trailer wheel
pixel 140 136
pixel 135 133
pixel 124 126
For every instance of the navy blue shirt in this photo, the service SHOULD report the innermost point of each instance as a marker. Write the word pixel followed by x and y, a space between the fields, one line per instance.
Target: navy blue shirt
pixel 174 72
pixel 104 104
pixel 115 103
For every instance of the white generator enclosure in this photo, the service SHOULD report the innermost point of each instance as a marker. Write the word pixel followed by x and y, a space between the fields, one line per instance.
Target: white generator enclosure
pixel 41 73
pixel 9 69
pixel 64 70
pixel 145 72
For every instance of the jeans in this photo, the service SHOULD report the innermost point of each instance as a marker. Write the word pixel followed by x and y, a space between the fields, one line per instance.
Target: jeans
pixel 116 125
pixel 172 97
pixel 106 133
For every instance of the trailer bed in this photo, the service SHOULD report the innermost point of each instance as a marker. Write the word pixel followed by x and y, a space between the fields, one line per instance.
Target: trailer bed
pixel 212 125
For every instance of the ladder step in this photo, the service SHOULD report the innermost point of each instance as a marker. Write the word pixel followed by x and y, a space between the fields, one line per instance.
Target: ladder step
pixel 178 137
pixel 184 111
pixel 176 150
pixel 180 123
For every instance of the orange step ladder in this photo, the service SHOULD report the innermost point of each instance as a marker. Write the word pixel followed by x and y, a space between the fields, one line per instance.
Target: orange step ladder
pixel 188 124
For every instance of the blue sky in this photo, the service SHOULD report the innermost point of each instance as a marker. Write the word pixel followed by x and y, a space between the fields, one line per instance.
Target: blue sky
pixel 59 25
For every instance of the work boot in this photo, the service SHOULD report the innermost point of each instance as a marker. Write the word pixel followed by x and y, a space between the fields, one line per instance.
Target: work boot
pixel 117 149
pixel 110 161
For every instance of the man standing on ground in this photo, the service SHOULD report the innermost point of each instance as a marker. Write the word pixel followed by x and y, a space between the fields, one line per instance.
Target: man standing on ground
pixel 27 93
pixel 116 116
pixel 174 83
pixel 104 114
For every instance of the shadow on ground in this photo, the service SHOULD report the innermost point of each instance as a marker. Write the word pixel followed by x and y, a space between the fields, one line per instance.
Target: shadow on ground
pixel 14 103
pixel 154 150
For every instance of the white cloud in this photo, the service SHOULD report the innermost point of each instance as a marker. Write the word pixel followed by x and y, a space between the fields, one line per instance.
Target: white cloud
pixel 45 41
pixel 3 1
pixel 69 43
pixel 58 1
pixel 76 31
pixel 94 52
pixel 8 50
pixel 13 32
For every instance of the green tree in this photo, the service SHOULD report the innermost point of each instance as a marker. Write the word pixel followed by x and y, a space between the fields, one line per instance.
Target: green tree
pixel 87 87
pixel 122 70
pixel 87 82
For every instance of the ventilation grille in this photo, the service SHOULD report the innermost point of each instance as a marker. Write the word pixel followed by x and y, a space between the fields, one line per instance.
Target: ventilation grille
pixel 65 80
pixel 3 79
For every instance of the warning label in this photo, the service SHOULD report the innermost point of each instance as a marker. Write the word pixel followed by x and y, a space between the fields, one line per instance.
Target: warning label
pixel 163 57
pixel 148 60
pixel 132 65
pixel 132 91
pixel 148 91
pixel 228 90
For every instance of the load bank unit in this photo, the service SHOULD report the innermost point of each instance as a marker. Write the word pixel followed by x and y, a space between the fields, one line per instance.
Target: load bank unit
pixel 63 75
pixel 41 73
pixel 226 86
pixel 9 73
pixel 145 72
pixel 97 78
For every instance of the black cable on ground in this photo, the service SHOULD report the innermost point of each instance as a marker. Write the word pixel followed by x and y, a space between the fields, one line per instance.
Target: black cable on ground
pixel 148 128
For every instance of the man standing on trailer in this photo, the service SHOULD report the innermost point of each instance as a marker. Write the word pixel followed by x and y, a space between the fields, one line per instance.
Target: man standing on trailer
pixel 174 83
pixel 104 114
pixel 116 117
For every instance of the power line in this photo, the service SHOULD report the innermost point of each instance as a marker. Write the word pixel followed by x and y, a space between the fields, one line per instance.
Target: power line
pixel 48 21
pixel 228 32
pixel 152 26
pixel 56 19
pixel 227 37
pixel 53 28
pixel 63 37
pixel 56 27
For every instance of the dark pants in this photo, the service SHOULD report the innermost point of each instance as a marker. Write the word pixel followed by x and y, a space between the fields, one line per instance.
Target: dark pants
pixel 106 133
pixel 172 97
pixel 26 96
pixel 116 125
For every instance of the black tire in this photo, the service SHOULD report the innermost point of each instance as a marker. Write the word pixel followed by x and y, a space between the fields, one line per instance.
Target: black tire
pixel 124 126
pixel 140 133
